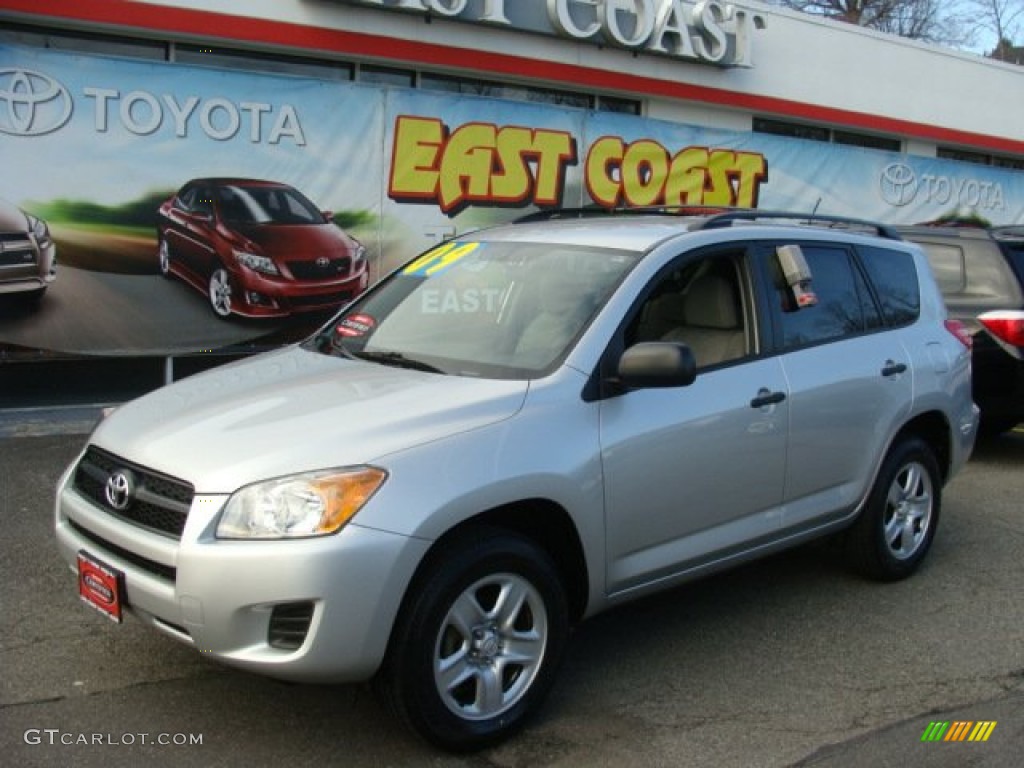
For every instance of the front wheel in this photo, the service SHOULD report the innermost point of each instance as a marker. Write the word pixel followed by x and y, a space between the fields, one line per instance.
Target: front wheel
pixel 895 529
pixel 477 644
pixel 220 293
pixel 164 257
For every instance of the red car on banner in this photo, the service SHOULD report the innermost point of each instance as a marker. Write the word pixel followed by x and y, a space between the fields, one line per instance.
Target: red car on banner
pixel 258 248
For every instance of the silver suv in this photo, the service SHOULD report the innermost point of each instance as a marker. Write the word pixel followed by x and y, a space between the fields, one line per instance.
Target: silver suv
pixel 519 429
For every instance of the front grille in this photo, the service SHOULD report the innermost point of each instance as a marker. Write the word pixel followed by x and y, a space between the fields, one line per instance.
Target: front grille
pixel 310 270
pixel 289 625
pixel 16 251
pixel 166 572
pixel 311 302
pixel 152 500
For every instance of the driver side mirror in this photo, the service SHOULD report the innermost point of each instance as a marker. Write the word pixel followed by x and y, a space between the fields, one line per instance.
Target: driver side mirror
pixel 657 364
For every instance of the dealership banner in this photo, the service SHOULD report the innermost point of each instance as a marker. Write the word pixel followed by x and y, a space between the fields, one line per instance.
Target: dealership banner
pixel 193 208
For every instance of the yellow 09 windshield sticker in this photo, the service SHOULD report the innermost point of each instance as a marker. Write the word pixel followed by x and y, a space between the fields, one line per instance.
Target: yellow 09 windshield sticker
pixel 439 259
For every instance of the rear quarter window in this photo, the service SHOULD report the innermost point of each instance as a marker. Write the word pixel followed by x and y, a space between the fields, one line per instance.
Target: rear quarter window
pixel 1014 250
pixel 947 263
pixel 894 277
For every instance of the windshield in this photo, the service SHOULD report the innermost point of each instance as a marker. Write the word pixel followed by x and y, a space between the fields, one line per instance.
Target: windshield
pixel 470 308
pixel 265 205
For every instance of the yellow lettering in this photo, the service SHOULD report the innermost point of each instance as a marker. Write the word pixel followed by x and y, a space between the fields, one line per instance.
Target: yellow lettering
pixel 753 170
pixel 644 171
pixel 688 177
pixel 603 166
pixel 414 160
pixel 466 165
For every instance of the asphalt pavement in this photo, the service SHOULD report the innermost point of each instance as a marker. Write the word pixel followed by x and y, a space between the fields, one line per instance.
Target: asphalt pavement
pixel 792 661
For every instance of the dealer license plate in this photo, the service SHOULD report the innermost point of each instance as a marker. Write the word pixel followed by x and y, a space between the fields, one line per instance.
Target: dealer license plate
pixel 100 586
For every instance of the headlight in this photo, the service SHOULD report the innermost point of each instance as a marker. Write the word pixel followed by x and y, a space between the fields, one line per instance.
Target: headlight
pixel 39 230
pixel 358 257
pixel 314 504
pixel 256 262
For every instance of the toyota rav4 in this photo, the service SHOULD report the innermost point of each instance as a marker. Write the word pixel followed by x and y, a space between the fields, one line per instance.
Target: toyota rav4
pixel 518 429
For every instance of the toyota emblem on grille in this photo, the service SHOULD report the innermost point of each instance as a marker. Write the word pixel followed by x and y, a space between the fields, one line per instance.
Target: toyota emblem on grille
pixel 120 489
pixel 323 262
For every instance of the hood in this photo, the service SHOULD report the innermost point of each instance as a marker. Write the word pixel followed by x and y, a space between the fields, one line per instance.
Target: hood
pixel 297 241
pixel 292 411
pixel 12 218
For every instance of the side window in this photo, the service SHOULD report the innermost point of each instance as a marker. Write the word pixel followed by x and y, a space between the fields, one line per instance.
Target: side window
pixel 186 199
pixel 895 278
pixel 699 303
pixel 947 263
pixel 841 298
pixel 202 203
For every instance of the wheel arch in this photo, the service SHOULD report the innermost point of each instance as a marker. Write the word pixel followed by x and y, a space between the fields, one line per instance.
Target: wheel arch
pixel 542 521
pixel 934 429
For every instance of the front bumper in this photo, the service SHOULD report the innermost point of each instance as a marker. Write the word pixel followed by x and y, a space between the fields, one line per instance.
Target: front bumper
pixel 221 596
pixel 261 296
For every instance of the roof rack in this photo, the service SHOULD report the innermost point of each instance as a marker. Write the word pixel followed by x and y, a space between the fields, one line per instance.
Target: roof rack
pixel 641 210
pixel 1008 231
pixel 717 216
pixel 731 217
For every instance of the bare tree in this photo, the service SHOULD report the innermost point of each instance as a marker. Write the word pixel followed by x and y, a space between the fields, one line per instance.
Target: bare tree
pixel 931 21
pixel 1004 19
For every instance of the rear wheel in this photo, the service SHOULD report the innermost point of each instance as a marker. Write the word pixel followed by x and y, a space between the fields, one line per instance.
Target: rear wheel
pixel 477 644
pixel 894 532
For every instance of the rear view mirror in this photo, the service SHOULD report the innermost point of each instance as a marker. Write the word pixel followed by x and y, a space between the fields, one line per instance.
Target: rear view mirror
pixel 797 274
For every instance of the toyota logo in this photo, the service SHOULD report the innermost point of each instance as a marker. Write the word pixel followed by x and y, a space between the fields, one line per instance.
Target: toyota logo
pixel 898 184
pixel 120 489
pixel 31 103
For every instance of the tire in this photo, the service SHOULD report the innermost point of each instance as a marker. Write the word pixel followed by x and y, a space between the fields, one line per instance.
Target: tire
pixel 219 292
pixel 164 257
pixel 894 531
pixel 478 641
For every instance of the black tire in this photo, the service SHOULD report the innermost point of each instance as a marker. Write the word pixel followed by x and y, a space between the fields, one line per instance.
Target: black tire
pixel 894 531
pixel 164 257
pixel 474 575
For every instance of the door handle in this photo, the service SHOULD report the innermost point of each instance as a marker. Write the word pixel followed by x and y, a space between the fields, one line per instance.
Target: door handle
pixel 767 397
pixel 892 368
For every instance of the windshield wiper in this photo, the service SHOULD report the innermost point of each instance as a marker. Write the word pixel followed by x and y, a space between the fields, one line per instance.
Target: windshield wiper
pixel 397 359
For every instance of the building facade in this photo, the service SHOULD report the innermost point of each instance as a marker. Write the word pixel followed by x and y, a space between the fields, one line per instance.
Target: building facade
pixel 415 120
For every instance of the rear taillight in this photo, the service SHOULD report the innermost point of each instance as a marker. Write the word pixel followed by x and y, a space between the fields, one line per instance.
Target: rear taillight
pixel 1007 325
pixel 959 330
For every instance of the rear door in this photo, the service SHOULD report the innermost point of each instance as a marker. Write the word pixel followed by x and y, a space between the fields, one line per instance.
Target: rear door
pixel 849 375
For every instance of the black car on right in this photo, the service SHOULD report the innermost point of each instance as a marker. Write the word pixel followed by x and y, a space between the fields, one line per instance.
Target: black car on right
pixel 980 271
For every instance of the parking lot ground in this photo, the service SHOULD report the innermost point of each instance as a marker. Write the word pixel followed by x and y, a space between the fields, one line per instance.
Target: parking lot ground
pixel 792 661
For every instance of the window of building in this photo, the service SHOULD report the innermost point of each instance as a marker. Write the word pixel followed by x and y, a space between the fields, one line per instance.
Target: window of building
pixel 106 45
pixel 866 140
pixel 822 133
pixel 493 89
pixel 400 78
pixel 210 56
pixel 980 158
pixel 620 106
pixel 790 130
